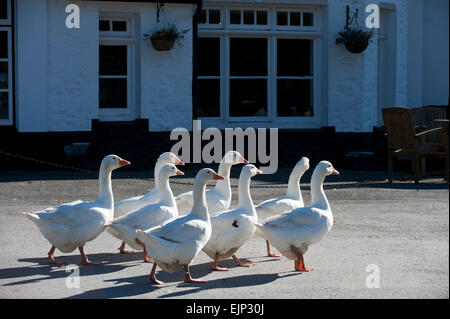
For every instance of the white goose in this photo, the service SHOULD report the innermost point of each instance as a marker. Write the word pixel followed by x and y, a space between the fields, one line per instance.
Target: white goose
pixel 176 243
pixel 69 226
pixel 130 204
pixel 218 198
pixel 292 233
pixel 231 229
pixel 151 215
pixel 291 201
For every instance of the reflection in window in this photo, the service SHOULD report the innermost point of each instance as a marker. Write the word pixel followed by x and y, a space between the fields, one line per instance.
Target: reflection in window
pixel 248 97
pixel 294 98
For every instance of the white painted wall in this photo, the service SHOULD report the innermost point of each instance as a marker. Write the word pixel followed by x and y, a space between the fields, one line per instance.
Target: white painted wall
pixel 31 70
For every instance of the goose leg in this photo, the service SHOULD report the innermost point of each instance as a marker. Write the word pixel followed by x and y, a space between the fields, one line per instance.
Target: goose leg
pixel 188 278
pixel 153 277
pixel 51 255
pixel 123 251
pixel 299 261
pixel 147 259
pixel 85 260
pixel 270 254
pixel 214 264
pixel 240 263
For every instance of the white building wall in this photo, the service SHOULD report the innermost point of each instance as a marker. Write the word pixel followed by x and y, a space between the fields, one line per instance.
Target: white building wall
pixel 353 78
pixel 58 82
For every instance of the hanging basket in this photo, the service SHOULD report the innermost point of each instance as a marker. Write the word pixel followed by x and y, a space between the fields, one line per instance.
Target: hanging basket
pixel 162 44
pixel 355 40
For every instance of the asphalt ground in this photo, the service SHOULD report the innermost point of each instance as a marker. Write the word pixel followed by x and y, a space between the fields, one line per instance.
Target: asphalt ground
pixel 396 235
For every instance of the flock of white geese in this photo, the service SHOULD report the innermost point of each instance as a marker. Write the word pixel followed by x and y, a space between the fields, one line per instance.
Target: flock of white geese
pixel 171 231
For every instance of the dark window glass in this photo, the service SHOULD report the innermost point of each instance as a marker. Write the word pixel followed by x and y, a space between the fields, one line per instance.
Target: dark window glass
pixel 261 17
pixel 248 97
pixel 3 75
pixel 249 17
pixel 294 98
pixel 202 17
pixel 103 25
pixel 294 57
pixel 209 97
pixel 120 26
pixel 308 19
pixel 282 18
pixel 3 9
pixel 235 16
pixel 209 56
pixel 214 16
pixel 113 60
pixel 113 93
pixel 3 44
pixel 295 18
pixel 4 105
pixel 248 56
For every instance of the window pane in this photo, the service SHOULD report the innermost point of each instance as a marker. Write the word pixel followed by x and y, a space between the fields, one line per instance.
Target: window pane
pixel 261 17
pixel 113 60
pixel 4 105
pixel 202 18
pixel 3 75
pixel 209 56
pixel 294 98
pixel 295 18
pixel 3 44
pixel 3 9
pixel 308 19
pixel 249 17
pixel 294 57
pixel 113 93
pixel 103 25
pixel 214 16
pixel 248 56
pixel 248 97
pixel 282 18
pixel 120 26
pixel 235 16
pixel 209 97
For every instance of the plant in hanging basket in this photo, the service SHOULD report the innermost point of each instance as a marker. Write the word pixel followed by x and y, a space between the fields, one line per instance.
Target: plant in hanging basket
pixel 164 39
pixel 356 40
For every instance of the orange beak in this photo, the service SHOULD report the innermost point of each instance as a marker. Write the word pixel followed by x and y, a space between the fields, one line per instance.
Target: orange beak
pixel 335 172
pixel 123 162
pixel 244 161
pixel 179 162
pixel 217 176
pixel 178 172
pixel 258 171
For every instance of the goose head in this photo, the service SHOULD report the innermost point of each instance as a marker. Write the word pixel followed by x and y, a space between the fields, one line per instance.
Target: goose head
pixel 169 170
pixel 302 166
pixel 250 170
pixel 111 162
pixel 234 157
pixel 326 168
pixel 206 174
pixel 170 158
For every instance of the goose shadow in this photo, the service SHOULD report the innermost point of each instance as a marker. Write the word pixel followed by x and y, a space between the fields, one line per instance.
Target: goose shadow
pixel 139 285
pixel 42 267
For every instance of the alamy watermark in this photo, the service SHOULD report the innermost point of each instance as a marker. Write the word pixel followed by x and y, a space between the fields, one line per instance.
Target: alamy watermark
pixel 212 152
pixel 373 279
pixel 73 279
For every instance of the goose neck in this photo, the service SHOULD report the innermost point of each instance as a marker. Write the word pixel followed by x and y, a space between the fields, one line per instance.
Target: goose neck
pixel 164 190
pixel 245 199
pixel 293 190
pixel 200 208
pixel 223 186
pixel 105 188
pixel 318 197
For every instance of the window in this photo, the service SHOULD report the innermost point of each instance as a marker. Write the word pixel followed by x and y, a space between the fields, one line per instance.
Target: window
pixel 6 89
pixel 211 16
pixel 116 68
pixel 246 74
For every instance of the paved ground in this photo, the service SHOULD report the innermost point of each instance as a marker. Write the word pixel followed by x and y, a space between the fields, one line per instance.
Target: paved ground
pixel 402 228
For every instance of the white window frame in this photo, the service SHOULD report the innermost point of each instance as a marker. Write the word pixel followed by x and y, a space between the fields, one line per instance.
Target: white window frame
pixel 272 33
pixel 214 25
pixel 9 120
pixel 8 12
pixel 127 39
